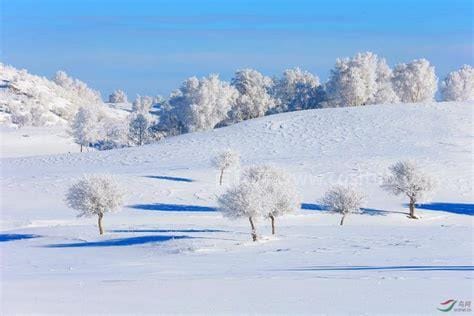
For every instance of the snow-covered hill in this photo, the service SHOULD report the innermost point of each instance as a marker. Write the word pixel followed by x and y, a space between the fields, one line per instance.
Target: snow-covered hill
pixel 30 100
pixel 169 251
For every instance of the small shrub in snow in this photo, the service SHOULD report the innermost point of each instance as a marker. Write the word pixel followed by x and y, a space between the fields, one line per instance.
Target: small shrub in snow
pixel 84 126
pixel 343 200
pixel 406 178
pixel 118 96
pixel 459 85
pixel 95 195
pixel 225 160
pixel 415 81
pixel 279 196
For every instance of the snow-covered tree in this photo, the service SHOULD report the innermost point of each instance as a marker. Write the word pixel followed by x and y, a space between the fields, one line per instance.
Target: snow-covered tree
pixel 384 93
pixel 78 88
pixel 243 200
pixel 408 179
pixel 343 200
pixel 363 79
pixel 415 81
pixel 95 195
pixel 142 104
pixel 84 126
pixel 459 85
pixel 201 104
pixel 253 100
pixel 118 96
pixel 114 134
pixel 296 90
pixel 139 125
pixel 277 189
pixel 225 160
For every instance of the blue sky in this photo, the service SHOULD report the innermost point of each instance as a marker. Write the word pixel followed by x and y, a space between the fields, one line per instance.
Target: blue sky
pixel 150 47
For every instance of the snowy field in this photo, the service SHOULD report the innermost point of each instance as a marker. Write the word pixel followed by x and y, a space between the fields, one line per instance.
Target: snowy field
pixel 169 251
pixel 34 141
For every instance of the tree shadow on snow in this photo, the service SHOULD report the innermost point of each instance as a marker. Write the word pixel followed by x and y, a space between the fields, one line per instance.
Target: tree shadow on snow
pixel 312 207
pixel 168 231
pixel 386 268
pixel 364 211
pixel 178 179
pixel 376 212
pixel 10 237
pixel 456 208
pixel 173 207
pixel 119 242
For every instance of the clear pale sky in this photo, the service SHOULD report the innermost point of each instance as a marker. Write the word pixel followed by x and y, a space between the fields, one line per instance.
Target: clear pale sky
pixel 150 47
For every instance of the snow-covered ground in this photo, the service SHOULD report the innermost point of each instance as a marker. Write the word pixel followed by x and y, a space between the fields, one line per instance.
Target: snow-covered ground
pixel 33 141
pixel 169 251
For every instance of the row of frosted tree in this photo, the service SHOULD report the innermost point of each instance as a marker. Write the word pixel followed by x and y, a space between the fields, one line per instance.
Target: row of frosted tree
pixel 263 192
pixel 209 102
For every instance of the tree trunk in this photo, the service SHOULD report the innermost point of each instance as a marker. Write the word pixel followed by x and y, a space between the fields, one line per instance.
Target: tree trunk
pixel 101 230
pixel 272 218
pixel 412 208
pixel 220 178
pixel 81 148
pixel 342 219
pixel 254 231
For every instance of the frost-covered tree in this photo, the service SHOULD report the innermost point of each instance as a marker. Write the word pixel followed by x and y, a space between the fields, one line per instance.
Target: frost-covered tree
pixel 363 79
pixel 277 189
pixel 78 88
pixel 459 85
pixel 253 100
pixel 225 160
pixel 138 131
pixel 142 104
pixel 384 93
pixel 415 81
pixel 201 104
pixel 84 126
pixel 118 96
pixel 243 200
pixel 296 90
pixel 95 195
pixel 263 191
pixel 114 134
pixel 343 200
pixel 408 179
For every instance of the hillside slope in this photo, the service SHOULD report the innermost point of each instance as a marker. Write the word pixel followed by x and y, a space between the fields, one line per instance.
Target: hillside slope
pixel 30 100
pixel 170 251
